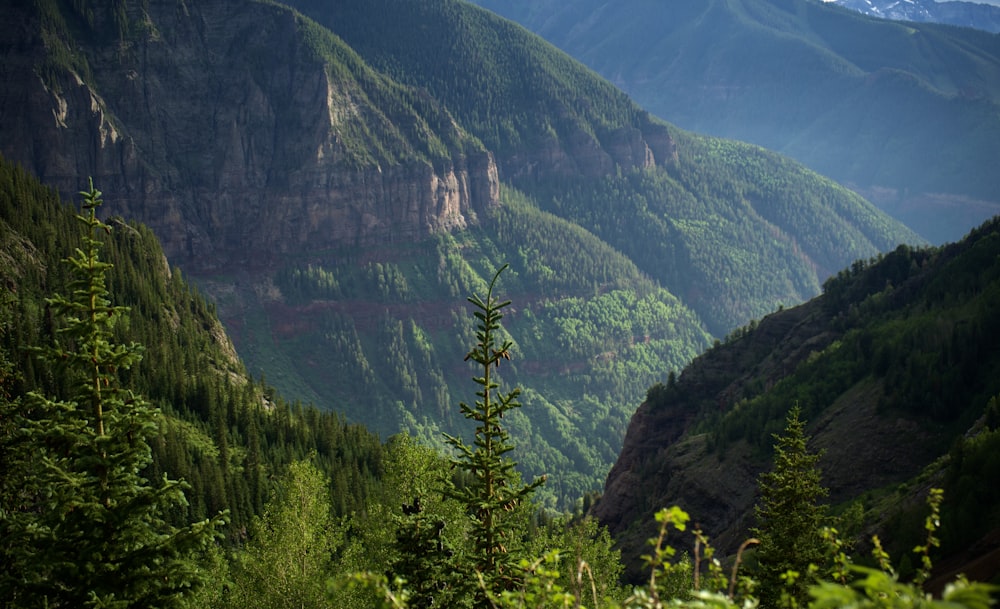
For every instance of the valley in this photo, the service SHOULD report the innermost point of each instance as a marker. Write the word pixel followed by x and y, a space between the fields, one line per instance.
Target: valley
pixel 862 100
pixel 303 202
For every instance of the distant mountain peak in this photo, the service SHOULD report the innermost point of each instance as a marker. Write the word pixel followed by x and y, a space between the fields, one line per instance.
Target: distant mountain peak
pixel 965 14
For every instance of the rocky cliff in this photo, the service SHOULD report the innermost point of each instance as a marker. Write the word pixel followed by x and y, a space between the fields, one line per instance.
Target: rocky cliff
pixel 237 130
pixel 663 463
pixel 541 113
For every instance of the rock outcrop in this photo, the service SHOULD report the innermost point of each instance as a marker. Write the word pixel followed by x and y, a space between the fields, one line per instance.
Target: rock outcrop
pixel 238 131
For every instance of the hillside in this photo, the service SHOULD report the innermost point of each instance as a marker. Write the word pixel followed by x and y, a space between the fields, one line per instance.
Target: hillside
pixel 894 367
pixel 225 434
pixel 904 113
pixel 338 194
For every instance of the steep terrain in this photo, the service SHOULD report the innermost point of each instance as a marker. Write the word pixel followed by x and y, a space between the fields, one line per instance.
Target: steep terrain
pixel 237 131
pixel 339 195
pixel 904 113
pixel 894 367
pixel 538 107
pixel 226 435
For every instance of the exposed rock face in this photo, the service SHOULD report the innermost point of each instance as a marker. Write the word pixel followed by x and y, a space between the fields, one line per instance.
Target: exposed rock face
pixel 580 153
pixel 221 127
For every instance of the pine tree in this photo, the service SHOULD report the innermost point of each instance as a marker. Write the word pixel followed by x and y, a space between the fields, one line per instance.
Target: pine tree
pixel 428 527
pixel 493 491
pixel 12 452
pixel 789 519
pixel 94 532
pixel 423 560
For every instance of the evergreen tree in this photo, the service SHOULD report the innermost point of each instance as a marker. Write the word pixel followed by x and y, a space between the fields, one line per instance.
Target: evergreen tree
pixel 12 452
pixel 789 519
pixel 428 530
pixel 492 492
pixel 424 560
pixel 90 530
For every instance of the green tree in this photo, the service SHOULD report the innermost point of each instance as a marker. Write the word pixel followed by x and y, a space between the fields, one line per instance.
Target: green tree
pixel 89 530
pixel 491 490
pixel 288 559
pixel 12 451
pixel 789 519
pixel 428 528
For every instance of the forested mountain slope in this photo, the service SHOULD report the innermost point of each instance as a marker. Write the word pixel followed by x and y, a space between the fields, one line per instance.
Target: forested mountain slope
pixel 225 434
pixel 904 112
pixel 338 194
pixel 896 369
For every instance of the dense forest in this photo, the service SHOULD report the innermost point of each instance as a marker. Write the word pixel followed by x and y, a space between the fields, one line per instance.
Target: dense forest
pixel 156 474
pixel 897 352
pixel 415 317
pixel 223 432
pixel 903 112
pixel 334 185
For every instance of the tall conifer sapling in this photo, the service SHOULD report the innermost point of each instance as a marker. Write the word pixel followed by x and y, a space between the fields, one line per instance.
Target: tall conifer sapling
pixel 789 519
pixel 97 534
pixel 494 491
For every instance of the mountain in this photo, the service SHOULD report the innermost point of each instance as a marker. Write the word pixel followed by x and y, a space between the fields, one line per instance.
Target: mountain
pixel 965 14
pixel 228 436
pixel 904 113
pixel 339 192
pixel 235 128
pixel 894 368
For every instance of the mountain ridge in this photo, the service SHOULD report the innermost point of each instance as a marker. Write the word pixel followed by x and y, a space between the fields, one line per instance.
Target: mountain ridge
pixel 903 113
pixel 229 159
pixel 982 16
pixel 326 189
pixel 886 425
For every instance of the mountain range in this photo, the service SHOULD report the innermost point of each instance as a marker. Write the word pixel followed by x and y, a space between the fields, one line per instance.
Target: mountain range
pixel 965 14
pixel 904 113
pixel 338 182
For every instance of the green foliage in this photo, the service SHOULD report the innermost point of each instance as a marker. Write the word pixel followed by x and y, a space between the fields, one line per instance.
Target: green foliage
pixel 426 562
pixel 859 586
pixel 465 535
pixel 836 90
pixel 728 227
pixel 918 321
pixel 432 84
pixel 789 519
pixel 493 492
pixel 973 461
pixel 87 529
pixel 288 556
pixel 590 330
pixel 507 88
pixel 226 435
pixel 693 226
pixel 592 561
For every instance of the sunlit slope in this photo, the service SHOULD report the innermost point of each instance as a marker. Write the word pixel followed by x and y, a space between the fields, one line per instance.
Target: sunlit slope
pixel 905 112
